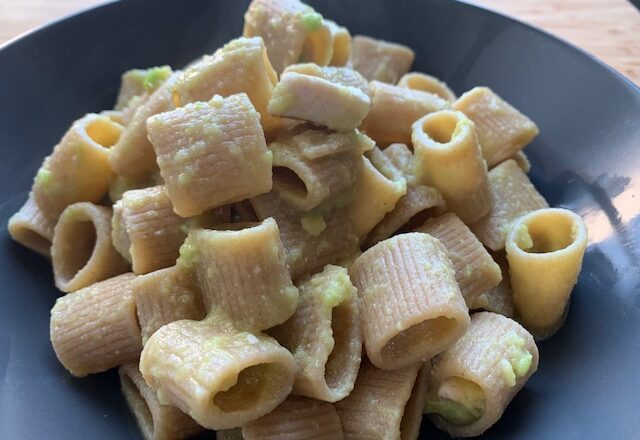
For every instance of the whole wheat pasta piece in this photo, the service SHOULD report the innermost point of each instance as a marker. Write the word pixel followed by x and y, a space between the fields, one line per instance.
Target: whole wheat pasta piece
pixel 512 195
pixel 136 82
pixel 211 154
pixel 412 416
pixel 155 421
pixel 165 296
pixel 476 271
pixel 121 184
pixel 324 335
pixel 340 42
pixel 291 31
pixel 394 109
pixel 314 165
pixel 81 251
pixel 313 239
pixel 297 418
pixel 522 160
pixel 498 299
pixel 448 158
pixel 78 170
pixel 243 272
pixel 221 376
pixel 412 308
pixel 502 130
pixel 427 83
pixel 31 228
pixel 380 60
pixel 472 383
pixel 545 250
pixel 95 328
pixel 378 189
pixel 376 407
pixel 402 157
pixel 333 97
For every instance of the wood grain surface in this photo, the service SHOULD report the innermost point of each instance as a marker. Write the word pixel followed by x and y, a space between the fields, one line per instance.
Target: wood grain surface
pixel 608 29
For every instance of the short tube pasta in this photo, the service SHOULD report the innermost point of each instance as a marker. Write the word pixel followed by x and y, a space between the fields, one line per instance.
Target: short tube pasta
pixel 155 421
pixel 81 251
pixel 545 250
pixel 471 384
pixel 427 83
pixel 221 376
pixel 103 317
pixel 448 158
pixel 340 42
pixel 499 299
pixel 412 308
pixel 379 60
pixel 31 228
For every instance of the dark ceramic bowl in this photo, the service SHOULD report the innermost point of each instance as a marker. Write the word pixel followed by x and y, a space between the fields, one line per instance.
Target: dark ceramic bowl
pixel 587 158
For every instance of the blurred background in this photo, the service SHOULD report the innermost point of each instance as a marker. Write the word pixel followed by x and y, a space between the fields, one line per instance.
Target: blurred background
pixel 608 29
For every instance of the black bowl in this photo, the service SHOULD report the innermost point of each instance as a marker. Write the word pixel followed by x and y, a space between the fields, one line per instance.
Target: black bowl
pixel 587 158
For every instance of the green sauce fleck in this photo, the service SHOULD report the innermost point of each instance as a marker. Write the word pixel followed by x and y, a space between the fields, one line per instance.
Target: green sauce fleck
pixel 188 253
pixel 44 177
pixel 313 223
pixel 155 77
pixel 452 411
pixel 311 21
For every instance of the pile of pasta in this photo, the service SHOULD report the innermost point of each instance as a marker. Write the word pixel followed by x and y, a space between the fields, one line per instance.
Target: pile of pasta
pixel 234 234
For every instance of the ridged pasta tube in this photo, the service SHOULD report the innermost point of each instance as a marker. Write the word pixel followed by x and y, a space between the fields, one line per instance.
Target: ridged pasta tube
pixel 499 299
pixel 81 251
pixel 412 306
pixel 449 159
pixel 427 83
pixel 472 383
pixel 95 328
pixel 380 60
pixel 545 250
pixel 137 82
pixel 31 228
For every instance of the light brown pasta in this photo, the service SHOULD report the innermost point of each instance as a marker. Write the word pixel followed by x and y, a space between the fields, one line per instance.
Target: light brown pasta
pixel 95 328
pixel 522 160
pixel 291 30
pixel 297 418
pixel 155 421
pixel 221 376
pixel 472 383
pixel 78 170
pixel 375 408
pixel 380 60
pixel 340 42
pixel 502 130
pixel 449 159
pixel 81 250
pixel 402 157
pixel 165 296
pixel 121 184
pixel 211 154
pixel 500 298
pixel 476 272
pixel 427 83
pixel 137 82
pixel 412 306
pixel 512 195
pixel 243 272
pixel 324 335
pixel 394 109
pixel 333 97
pixel 412 416
pixel 31 228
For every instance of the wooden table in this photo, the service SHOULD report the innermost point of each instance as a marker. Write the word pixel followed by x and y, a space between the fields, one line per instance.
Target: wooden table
pixel 609 29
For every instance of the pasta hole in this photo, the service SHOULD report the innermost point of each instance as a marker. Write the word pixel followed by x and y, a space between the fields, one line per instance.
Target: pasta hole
pixel 417 337
pixel 289 181
pixel 418 219
pixel 138 404
pixel 103 132
pixel 440 127
pixel 341 327
pixel 77 248
pixel 254 384
pixel 544 235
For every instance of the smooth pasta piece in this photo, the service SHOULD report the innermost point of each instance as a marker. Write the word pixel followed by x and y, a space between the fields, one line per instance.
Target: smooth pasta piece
pixel 324 335
pixel 472 383
pixel 31 228
pixel 449 159
pixel 306 176
pixel 545 250
pixel 243 272
pixel 95 328
pixel 221 376
pixel 380 60
pixel 297 418
pixel 155 421
pixel 310 240
pixel 512 195
pixel 502 130
pixel 394 109
pixel 211 154
pixel 476 272
pixel 137 82
pixel 81 251
pixel 78 170
pixel 427 83
pixel 375 410
pixel 377 191
pixel 499 299
pixel 291 31
pixel 165 296
pixel 326 96
pixel 340 42
pixel 412 308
